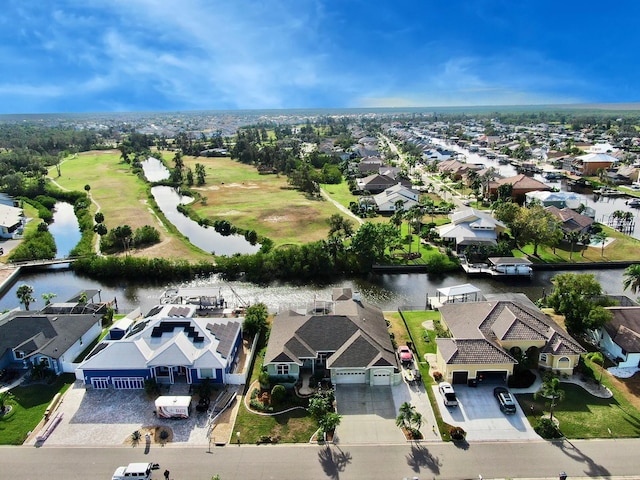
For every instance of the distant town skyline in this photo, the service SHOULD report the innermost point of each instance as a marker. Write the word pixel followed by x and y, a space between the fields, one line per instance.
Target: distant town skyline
pixel 152 55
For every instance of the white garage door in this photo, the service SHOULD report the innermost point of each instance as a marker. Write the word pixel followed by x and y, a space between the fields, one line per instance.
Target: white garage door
pixel 100 383
pixel 128 383
pixel 381 377
pixel 350 376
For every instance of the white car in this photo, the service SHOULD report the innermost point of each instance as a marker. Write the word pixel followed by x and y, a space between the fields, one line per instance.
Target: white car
pixel 448 394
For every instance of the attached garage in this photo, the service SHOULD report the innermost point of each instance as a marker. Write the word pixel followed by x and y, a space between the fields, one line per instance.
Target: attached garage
pixel 381 377
pixel 128 383
pixel 460 377
pixel 349 376
pixel 492 377
pixel 100 383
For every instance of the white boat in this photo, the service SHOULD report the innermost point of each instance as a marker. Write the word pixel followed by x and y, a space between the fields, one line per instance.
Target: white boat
pixel 635 203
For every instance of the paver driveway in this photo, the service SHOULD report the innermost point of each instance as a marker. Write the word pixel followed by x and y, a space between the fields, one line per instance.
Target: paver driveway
pixel 368 415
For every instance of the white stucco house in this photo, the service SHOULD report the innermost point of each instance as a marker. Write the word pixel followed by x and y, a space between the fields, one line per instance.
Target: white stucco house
pixel 386 201
pixel 620 338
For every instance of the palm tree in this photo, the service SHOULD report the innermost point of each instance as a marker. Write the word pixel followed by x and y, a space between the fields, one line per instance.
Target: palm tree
pixel 406 413
pixel 601 237
pixel 632 278
pixel 550 389
pixel 573 238
pixel 25 295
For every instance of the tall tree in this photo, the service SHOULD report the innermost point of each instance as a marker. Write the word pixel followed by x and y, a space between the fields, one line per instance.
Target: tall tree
pixel 551 390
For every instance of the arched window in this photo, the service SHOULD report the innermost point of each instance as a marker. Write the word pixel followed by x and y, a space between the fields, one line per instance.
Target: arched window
pixel 564 360
pixel 543 357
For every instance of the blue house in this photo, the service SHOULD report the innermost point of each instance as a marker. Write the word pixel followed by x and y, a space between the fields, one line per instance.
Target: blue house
pixel 170 345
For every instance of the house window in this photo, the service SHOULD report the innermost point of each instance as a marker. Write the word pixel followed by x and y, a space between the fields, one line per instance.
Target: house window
pixel 564 360
pixel 282 369
pixel 45 362
pixel 207 373
pixel 543 357
pixel 18 354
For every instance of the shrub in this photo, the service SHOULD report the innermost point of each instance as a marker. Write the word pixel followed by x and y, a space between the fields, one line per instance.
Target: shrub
pixel 164 435
pixel 278 394
pixel 457 433
pixel 437 376
pixel 546 428
pixel 151 387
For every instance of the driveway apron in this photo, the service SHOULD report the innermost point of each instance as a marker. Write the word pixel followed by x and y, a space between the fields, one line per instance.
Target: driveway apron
pixel 368 415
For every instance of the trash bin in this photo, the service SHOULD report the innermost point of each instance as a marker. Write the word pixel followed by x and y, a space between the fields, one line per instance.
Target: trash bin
pixel 472 382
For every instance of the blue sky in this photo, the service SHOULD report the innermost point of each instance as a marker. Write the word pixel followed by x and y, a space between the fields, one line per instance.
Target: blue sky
pixel 146 55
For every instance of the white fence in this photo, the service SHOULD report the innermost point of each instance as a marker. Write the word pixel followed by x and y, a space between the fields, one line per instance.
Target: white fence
pixel 241 378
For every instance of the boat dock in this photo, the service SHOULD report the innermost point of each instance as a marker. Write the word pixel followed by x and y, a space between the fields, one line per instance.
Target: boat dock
pixel 499 267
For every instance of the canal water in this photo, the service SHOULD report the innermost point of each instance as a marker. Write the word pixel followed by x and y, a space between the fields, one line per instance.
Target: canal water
pixel 603 206
pixel 65 229
pixel 388 291
pixel 205 238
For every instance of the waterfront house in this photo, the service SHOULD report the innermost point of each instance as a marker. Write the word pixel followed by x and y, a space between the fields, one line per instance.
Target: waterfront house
pixel 11 221
pixel 30 339
pixel 344 340
pixel 471 227
pixel 170 345
pixel 522 184
pixel 488 336
pixel 620 338
pixel 589 164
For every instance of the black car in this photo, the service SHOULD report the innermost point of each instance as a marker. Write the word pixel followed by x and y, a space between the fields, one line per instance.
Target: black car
pixel 505 400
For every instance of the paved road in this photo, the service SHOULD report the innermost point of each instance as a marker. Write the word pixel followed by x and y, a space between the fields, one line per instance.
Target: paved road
pixel 580 459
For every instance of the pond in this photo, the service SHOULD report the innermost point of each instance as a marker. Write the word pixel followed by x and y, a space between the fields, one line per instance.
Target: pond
pixel 65 229
pixel 205 238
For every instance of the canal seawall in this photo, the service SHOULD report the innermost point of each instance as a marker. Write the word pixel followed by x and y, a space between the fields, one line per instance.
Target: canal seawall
pixel 535 266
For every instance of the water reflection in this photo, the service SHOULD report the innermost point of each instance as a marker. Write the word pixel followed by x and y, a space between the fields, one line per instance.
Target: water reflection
pixel 65 229
pixel 205 238
pixel 154 170
pixel 386 291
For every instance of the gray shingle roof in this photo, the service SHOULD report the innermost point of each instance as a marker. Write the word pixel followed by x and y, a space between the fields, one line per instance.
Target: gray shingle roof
pixel 624 328
pixel 50 335
pixel 356 333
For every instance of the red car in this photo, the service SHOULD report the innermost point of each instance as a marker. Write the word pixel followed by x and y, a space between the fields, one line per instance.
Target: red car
pixel 404 354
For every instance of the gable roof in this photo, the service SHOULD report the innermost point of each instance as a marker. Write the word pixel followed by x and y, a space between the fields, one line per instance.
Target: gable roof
pixel 519 182
pixel 355 333
pixel 50 335
pixel 160 341
pixel 472 351
pixel 507 320
pixel 571 220
pixel 624 328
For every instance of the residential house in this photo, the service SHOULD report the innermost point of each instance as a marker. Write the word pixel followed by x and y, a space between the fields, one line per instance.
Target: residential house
pixel 170 345
pixel 620 338
pixel 12 221
pixel 55 341
pixel 471 227
pixel 589 164
pixel 557 199
pixel 386 201
pixel 570 220
pixel 522 184
pixel 457 169
pixel 377 183
pixel 369 165
pixel 344 339
pixel 487 338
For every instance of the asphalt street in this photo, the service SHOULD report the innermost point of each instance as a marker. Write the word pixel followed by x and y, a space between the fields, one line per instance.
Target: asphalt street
pixel 538 459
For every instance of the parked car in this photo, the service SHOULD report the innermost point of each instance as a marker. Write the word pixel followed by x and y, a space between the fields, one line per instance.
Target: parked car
pixel 448 394
pixel 404 354
pixel 505 400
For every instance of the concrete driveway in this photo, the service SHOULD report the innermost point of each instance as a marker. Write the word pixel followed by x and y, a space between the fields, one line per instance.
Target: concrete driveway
pixel 368 415
pixel 479 414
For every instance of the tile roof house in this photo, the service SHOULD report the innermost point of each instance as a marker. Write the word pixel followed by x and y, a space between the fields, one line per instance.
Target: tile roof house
pixel 170 345
pixel 488 336
pixel 522 184
pixel 471 227
pixel 620 338
pixel 377 183
pixel 570 220
pixel 53 340
pixel 345 340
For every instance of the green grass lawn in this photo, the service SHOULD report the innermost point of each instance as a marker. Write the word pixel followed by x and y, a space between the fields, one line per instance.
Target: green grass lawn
pixel 29 403
pixel 581 415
